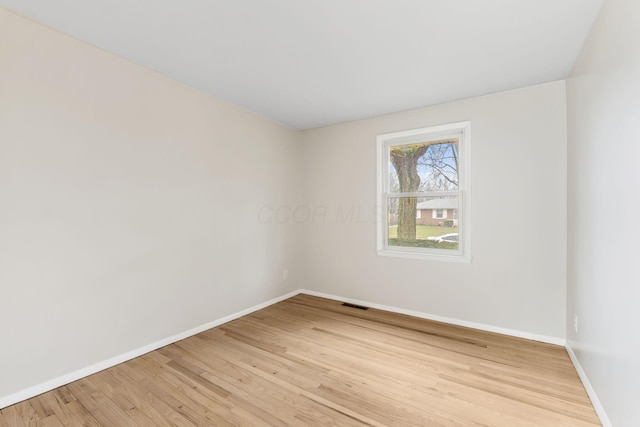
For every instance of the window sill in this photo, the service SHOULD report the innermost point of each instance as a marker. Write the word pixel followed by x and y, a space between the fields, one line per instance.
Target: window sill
pixel 426 257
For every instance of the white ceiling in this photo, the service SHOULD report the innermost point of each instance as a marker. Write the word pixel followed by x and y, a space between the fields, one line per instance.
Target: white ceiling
pixel 310 63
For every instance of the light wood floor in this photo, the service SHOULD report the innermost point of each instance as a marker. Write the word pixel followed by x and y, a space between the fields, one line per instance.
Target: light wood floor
pixel 311 361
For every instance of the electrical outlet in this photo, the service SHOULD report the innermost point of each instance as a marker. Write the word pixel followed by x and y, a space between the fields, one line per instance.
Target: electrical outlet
pixel 575 323
pixel 285 274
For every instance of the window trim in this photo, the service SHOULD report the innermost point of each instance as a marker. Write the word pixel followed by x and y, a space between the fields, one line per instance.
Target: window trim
pixel 384 141
pixel 434 214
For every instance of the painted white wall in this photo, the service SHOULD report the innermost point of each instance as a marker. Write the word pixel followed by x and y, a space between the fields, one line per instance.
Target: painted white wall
pixel 603 99
pixel 133 208
pixel 517 278
pixel 129 206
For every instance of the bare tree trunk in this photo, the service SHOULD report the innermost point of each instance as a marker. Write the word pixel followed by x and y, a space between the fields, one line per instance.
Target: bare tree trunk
pixel 407 218
pixel 405 160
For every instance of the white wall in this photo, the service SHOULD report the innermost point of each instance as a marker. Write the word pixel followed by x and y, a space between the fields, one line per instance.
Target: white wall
pixel 517 279
pixel 133 208
pixel 603 98
pixel 129 206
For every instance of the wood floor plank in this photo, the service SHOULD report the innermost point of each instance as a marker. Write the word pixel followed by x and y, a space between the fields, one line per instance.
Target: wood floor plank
pixel 50 421
pixel 342 415
pixel 239 378
pixel 26 414
pixel 313 361
pixel 66 408
pixel 97 403
pixel 41 407
pixel 154 401
pixel 11 417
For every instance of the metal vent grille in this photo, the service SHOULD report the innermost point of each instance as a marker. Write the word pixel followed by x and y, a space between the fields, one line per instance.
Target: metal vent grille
pixel 359 307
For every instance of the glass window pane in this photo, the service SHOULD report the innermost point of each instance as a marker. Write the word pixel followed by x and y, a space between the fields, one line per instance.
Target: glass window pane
pixel 424 166
pixel 413 222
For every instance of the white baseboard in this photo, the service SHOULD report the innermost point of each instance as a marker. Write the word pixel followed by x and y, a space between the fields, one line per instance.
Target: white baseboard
pixel 100 366
pixel 604 419
pixel 597 405
pixel 450 320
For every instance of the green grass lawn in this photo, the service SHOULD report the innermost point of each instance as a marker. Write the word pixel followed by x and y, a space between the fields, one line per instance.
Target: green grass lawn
pixel 424 231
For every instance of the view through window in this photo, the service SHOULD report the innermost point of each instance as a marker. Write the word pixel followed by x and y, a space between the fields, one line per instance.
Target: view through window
pixel 421 190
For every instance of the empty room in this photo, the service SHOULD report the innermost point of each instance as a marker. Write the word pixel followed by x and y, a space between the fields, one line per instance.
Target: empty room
pixel 354 212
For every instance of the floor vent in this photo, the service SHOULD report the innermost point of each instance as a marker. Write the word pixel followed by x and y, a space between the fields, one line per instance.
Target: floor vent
pixel 359 307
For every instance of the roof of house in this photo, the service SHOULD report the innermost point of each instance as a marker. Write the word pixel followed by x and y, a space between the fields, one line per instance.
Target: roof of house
pixel 438 204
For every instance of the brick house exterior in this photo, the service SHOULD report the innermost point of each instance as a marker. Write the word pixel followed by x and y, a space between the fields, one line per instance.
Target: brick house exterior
pixel 437 212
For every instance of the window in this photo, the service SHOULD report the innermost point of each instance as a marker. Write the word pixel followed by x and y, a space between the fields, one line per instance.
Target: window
pixel 425 169
pixel 439 213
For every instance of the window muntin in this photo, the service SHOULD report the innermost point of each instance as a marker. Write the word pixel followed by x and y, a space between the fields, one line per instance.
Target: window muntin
pixel 424 171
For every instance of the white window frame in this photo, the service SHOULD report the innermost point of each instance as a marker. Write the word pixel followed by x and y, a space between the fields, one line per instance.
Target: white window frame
pixel 461 130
